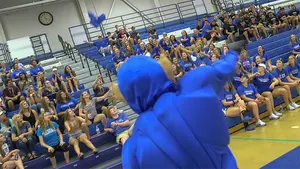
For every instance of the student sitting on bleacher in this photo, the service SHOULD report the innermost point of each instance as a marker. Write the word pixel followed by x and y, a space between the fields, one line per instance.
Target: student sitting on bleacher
pixel 267 86
pixel 4 72
pixel 295 17
pixel 233 105
pixel 247 91
pixel 99 91
pixel 286 82
pixel 295 45
pixel 284 18
pixel 58 80
pixel 236 77
pixel 22 135
pixel 185 39
pixel 51 138
pixel 177 71
pixel 15 73
pixel 12 95
pixel 88 105
pixel 24 83
pixel 29 115
pixel 118 123
pixel 152 32
pixel 231 30
pixel 6 125
pixel 49 90
pixel 74 126
pixel 20 65
pixel 9 158
pixel 293 68
pixel 244 30
pixel 134 35
pixel 63 102
pixel 207 30
pixel 49 109
pixel 34 99
pixel 274 22
pixel 186 64
pixel 246 61
pixel 71 78
pixel 35 69
pixel 118 57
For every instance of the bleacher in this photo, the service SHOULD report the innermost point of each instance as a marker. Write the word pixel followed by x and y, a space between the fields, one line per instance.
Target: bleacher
pixel 85 59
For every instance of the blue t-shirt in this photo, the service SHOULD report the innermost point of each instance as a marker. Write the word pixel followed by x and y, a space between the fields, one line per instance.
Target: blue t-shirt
pixel 196 37
pixel 263 82
pixel 246 63
pixel 249 91
pixel 50 136
pixel 293 70
pixel 118 129
pixel 70 104
pixel 265 57
pixel 236 79
pixel 36 70
pixel 282 75
pixel 57 79
pixel 228 96
pixel 164 45
pixel 205 29
pixel 119 59
pixel 155 52
pixel 15 74
pixel 295 46
pixel 175 43
pixel 186 65
pixel 186 41
pixel 140 51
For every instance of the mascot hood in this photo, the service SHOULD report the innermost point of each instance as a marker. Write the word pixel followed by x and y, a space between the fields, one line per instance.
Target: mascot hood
pixel 142 81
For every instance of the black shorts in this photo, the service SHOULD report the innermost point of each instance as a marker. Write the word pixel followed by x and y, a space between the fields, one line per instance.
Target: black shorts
pixel 58 147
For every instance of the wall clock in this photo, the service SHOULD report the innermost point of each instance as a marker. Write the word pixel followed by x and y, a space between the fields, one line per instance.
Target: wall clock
pixel 46 18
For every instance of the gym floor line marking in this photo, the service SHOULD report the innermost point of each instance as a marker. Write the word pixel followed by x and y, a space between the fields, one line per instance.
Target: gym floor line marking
pixel 266 139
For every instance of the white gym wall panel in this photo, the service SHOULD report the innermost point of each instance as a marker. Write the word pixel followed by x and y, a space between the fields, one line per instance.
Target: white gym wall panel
pixel 25 22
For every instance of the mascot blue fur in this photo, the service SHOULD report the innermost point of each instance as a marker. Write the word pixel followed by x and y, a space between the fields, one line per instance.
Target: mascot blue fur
pixel 180 124
pixel 96 20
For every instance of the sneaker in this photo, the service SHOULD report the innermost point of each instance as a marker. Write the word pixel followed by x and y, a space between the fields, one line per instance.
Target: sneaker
pixel 277 113
pixel 273 117
pixel 295 105
pixel 290 107
pixel 247 119
pixel 249 128
pixel 260 123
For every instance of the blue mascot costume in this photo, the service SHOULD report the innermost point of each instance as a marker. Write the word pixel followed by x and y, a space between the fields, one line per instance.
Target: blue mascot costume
pixel 180 125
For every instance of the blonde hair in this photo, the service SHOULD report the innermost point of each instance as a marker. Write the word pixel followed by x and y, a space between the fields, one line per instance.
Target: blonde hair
pixel 17 126
pixel 22 109
pixel 43 124
pixel 82 101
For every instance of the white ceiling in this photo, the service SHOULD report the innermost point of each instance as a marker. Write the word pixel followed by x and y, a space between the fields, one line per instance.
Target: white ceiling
pixel 11 3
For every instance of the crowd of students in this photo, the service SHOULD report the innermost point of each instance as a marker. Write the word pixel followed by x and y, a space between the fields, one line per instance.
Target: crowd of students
pixel 47 110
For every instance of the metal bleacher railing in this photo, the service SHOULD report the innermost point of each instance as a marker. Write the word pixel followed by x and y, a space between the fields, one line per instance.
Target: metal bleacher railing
pixel 160 17
pixel 4 53
pixel 228 5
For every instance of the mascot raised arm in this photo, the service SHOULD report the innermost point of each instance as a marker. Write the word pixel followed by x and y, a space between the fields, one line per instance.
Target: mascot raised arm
pixel 180 124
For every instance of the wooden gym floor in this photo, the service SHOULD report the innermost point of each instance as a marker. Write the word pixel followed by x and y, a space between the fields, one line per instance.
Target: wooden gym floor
pixel 254 149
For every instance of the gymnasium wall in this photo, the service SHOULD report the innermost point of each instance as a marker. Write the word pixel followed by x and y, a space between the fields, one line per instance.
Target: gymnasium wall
pixel 25 22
